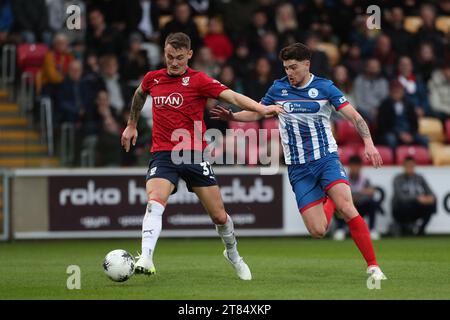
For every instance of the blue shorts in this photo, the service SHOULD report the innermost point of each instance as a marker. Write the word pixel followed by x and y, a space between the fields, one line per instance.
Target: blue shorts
pixel 194 174
pixel 311 180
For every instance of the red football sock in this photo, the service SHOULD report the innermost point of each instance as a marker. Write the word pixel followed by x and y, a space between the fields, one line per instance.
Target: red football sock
pixel 361 236
pixel 328 207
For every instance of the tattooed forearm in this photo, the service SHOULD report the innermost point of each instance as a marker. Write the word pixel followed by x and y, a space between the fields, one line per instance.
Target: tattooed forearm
pixel 362 128
pixel 136 105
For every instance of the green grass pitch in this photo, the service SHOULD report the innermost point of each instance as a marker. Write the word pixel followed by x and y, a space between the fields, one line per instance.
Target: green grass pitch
pixel 283 268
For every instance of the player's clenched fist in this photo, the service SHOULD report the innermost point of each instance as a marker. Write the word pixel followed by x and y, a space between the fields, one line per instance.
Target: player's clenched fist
pixel 130 134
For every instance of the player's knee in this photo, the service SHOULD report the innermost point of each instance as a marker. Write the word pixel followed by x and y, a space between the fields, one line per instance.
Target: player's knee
pixel 219 217
pixel 318 231
pixel 346 208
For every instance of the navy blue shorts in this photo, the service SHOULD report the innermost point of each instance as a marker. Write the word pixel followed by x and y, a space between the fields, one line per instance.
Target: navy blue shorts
pixel 195 174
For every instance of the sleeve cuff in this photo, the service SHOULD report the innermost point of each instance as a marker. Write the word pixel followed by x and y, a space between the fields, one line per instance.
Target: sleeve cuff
pixel 342 105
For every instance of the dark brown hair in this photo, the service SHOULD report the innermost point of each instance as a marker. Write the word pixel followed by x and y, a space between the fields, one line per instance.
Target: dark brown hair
pixel 296 51
pixel 178 40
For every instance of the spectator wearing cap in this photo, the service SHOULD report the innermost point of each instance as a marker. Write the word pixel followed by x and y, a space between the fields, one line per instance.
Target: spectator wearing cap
pixel 414 202
pixel 397 120
pixel 439 92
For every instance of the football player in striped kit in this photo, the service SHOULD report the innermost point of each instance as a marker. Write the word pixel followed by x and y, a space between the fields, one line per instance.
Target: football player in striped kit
pixel 317 177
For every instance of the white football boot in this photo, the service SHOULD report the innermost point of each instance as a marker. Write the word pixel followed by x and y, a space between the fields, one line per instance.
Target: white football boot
pixel 241 268
pixel 144 266
pixel 376 273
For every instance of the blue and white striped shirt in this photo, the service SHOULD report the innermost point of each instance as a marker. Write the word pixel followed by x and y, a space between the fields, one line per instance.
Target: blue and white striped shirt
pixel 305 127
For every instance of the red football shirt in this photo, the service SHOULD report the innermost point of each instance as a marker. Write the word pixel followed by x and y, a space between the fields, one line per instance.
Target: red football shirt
pixel 178 103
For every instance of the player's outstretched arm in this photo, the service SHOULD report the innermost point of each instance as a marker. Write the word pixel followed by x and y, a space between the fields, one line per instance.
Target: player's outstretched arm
pixel 220 113
pixel 130 133
pixel 371 153
pixel 248 104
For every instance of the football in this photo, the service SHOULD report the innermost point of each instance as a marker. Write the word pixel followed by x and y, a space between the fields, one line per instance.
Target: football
pixel 118 265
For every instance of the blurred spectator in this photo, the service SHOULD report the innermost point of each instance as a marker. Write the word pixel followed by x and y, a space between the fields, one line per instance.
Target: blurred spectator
pixel 444 8
pixel 109 131
pixel 236 14
pixel 241 61
pixel 227 78
pixel 143 16
pixel 182 22
pixel 385 55
pixel 216 39
pixel 140 154
pixel 260 81
pixel 363 37
pixel 92 72
pixel 31 20
pixel 204 61
pixel 370 89
pixel 426 61
pixel 400 38
pixel 286 24
pixel 415 89
pixel 74 96
pixel 135 63
pixel 439 92
pixel 317 14
pixel 344 14
pixel 269 44
pixel 353 61
pixel 363 198
pixel 320 65
pixel 113 83
pixel 101 38
pixel 56 65
pixel 6 18
pixel 342 80
pixel 258 28
pixel 397 120
pixel 428 32
pixel 413 200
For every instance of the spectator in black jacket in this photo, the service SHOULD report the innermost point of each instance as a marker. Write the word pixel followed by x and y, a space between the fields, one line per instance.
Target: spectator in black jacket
pixel 31 20
pixel 397 120
pixel 74 96
pixel 413 200
pixel 182 22
pixel 102 38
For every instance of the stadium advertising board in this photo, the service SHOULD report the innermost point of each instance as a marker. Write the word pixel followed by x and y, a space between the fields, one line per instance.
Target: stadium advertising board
pixel 89 203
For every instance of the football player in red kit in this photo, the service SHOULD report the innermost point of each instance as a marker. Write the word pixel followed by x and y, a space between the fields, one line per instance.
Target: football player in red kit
pixel 179 96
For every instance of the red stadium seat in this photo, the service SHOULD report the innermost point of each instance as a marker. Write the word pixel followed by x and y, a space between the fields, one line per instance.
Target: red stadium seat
pixel 30 57
pixel 447 130
pixel 347 151
pixel 419 153
pixel 346 133
pixel 385 152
